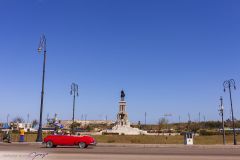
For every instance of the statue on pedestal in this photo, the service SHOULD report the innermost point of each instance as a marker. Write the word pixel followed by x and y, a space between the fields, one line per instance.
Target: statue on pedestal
pixel 122 95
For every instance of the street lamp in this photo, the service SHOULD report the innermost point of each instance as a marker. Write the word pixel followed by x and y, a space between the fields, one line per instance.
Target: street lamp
pixel 42 46
pixel 221 114
pixel 229 84
pixel 74 92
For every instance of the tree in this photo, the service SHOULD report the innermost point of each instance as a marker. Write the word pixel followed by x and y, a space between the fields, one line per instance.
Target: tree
pixel 73 126
pixel 34 123
pixel 162 123
pixel 194 127
pixel 18 120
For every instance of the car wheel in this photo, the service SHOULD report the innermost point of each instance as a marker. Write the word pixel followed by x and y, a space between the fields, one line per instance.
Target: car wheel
pixel 49 144
pixel 82 145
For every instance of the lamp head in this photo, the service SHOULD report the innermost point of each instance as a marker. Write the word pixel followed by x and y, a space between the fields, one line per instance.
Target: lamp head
pixel 39 49
pixel 221 107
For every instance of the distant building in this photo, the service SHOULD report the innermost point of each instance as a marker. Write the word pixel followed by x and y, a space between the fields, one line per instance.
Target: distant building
pixel 4 126
pixel 28 127
pixel 67 123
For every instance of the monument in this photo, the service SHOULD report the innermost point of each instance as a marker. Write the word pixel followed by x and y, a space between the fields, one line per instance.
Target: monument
pixel 122 126
pixel 122 116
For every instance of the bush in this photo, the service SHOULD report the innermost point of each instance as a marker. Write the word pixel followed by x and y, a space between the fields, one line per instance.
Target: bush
pixel 205 132
pixel 106 133
pixel 135 140
pixel 110 141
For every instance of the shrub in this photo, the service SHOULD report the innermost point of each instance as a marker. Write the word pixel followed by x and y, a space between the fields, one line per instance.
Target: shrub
pixel 205 132
pixel 110 141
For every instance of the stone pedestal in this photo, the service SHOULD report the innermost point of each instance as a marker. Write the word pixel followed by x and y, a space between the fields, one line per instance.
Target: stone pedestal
pixel 122 116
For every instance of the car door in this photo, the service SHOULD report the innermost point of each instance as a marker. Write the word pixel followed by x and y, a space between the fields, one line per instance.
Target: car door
pixel 57 139
pixel 67 140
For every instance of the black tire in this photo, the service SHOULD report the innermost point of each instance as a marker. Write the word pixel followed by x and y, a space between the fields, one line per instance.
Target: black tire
pixel 49 144
pixel 82 145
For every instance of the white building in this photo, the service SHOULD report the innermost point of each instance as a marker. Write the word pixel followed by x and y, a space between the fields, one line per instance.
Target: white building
pixel 26 126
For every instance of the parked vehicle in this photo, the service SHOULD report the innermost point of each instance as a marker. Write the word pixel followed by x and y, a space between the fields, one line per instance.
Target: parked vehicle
pixel 52 141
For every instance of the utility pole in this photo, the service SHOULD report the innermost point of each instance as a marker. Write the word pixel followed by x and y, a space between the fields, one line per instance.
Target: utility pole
pixel 74 92
pixel 28 118
pixel 221 114
pixel 145 118
pixel 85 118
pixel 199 117
pixel 189 117
pixel 106 120
pixel 229 84
pixel 42 45
pixel 47 117
pixel 179 122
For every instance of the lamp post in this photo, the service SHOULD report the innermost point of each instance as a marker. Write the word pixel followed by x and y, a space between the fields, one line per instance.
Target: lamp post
pixel 229 84
pixel 221 114
pixel 74 92
pixel 85 119
pixel 28 115
pixel 42 46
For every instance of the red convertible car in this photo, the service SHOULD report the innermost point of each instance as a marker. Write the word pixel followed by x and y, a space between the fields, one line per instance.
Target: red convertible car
pixel 52 141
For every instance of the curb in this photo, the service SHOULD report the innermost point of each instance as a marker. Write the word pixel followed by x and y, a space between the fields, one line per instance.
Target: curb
pixel 142 145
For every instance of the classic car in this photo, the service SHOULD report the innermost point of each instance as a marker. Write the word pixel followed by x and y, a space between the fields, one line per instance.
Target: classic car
pixel 52 141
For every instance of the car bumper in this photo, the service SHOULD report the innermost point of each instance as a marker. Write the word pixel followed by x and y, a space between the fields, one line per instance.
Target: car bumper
pixel 93 144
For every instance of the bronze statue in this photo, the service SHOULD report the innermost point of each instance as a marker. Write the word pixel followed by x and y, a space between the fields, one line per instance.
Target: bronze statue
pixel 122 95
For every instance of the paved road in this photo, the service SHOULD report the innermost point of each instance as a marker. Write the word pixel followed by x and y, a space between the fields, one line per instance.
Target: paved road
pixel 118 152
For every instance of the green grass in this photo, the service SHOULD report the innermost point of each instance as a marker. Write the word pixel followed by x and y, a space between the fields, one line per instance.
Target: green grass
pixel 161 139
pixel 141 139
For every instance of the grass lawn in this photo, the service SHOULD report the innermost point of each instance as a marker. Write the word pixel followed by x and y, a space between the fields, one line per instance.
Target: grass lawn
pixel 162 139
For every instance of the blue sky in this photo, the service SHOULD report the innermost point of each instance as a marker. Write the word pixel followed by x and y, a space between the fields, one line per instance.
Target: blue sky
pixel 169 56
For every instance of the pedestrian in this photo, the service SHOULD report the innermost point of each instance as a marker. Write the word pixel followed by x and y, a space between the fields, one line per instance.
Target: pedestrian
pixel 4 136
pixel 21 138
pixel 9 136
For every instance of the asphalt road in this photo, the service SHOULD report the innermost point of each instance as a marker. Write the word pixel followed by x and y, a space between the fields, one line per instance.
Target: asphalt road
pixel 36 151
